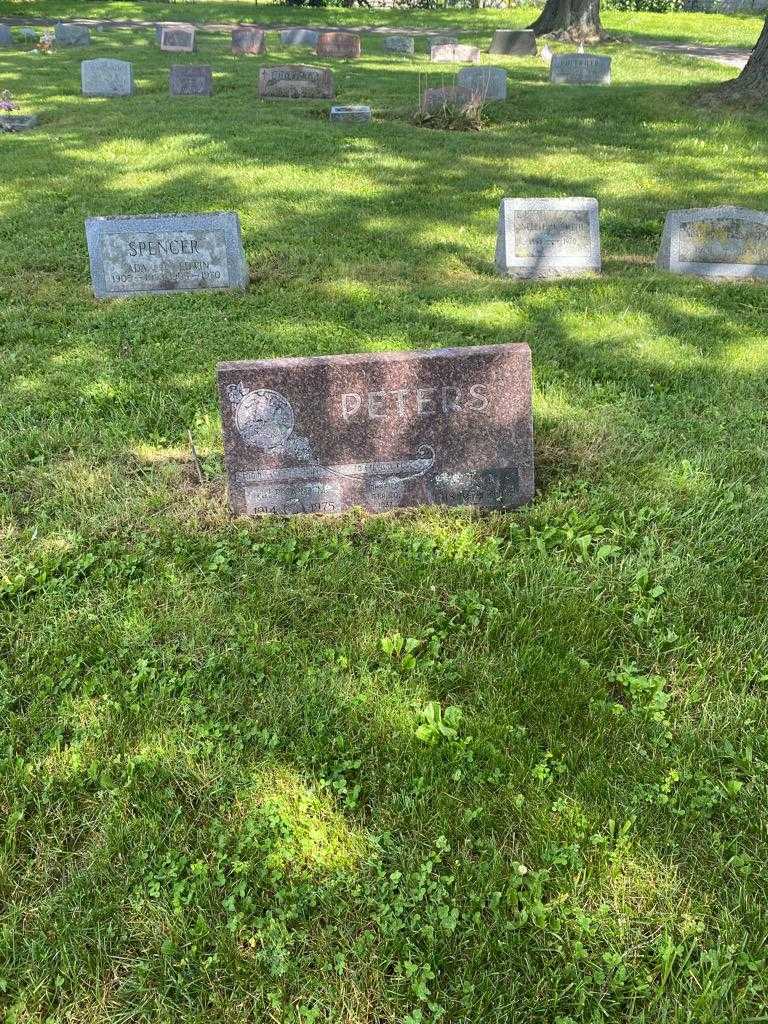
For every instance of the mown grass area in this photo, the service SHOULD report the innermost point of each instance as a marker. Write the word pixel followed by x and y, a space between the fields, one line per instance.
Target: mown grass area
pixel 216 800
pixel 713 29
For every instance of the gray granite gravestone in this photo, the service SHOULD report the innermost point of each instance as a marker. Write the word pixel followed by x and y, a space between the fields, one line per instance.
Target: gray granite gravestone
pixel 299 37
pixel 520 43
pixel 580 69
pixel 191 80
pixel 17 122
pixel 399 44
pixel 543 238
pixel 105 77
pixel 6 39
pixel 351 113
pixel 383 430
pixel 296 82
pixel 454 53
pixel 177 39
pixel 248 40
pixel 71 35
pixel 171 25
pixel 445 96
pixel 165 253
pixel 487 82
pixel 725 242
pixel 342 45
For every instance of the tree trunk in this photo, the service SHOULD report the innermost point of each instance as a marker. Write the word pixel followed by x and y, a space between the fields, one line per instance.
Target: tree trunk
pixel 752 83
pixel 577 20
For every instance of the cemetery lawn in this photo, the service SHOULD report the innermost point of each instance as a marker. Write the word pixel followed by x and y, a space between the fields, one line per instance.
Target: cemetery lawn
pixel 222 795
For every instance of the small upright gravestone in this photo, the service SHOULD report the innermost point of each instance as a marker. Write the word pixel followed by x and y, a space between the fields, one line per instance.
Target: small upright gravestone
pixel 71 35
pixel 338 44
pixel 299 37
pixel 725 242
pixel 171 25
pixel 191 80
pixel 544 238
pixel 399 44
pixel 6 39
pixel 454 53
pixel 104 77
pixel 296 82
pixel 580 69
pixel 486 82
pixel 381 431
pixel 165 253
pixel 445 96
pixel 177 39
pixel 248 40
pixel 351 113
pixel 521 43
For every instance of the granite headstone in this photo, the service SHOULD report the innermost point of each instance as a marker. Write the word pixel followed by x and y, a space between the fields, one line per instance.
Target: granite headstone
pixel 487 82
pixel 726 242
pixel 165 253
pixel 543 238
pixel 445 96
pixel 17 122
pixel 171 25
pixel 6 39
pixel 248 40
pixel 386 430
pixel 299 37
pixel 514 43
pixel 191 80
pixel 296 82
pixel 71 35
pixel 353 112
pixel 106 77
pixel 580 69
pixel 177 39
pixel 454 53
pixel 399 44
pixel 338 44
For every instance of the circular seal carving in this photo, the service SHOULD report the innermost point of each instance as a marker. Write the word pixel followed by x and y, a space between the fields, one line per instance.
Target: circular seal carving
pixel 264 419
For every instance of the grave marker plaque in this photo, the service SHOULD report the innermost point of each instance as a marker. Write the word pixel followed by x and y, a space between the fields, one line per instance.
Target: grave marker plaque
pixel 165 253
pixel 386 430
pixel 726 242
pixel 354 112
pixel 296 81
pixel 542 238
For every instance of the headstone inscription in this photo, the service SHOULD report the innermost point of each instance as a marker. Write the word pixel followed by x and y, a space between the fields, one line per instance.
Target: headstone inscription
pixel 454 53
pixel 486 82
pixel 725 242
pixel 191 80
pixel 383 430
pixel 295 82
pixel 177 39
pixel 399 44
pixel 6 39
pixel 338 44
pixel 520 43
pixel 354 112
pixel 543 238
pixel 248 40
pixel 579 69
pixel 299 37
pixel 71 35
pixel 165 253
pixel 105 77
pixel 442 40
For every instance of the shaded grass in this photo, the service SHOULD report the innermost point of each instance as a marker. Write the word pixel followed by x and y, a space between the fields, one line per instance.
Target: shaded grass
pixel 214 804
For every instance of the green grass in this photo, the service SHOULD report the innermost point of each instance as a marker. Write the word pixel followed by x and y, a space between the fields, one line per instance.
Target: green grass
pixel 214 804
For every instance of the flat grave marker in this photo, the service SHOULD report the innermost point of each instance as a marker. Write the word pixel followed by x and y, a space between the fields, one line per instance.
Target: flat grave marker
pixel 165 253
pixel 296 82
pixel 351 112
pixel 725 242
pixel 545 238
pixel 382 430
pixel 106 77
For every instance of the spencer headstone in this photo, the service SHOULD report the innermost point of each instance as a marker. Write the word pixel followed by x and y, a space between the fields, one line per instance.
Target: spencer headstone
pixel 71 35
pixel 165 253
pixel 386 430
pixel 726 242
pixel 338 44
pixel 177 39
pixel 299 37
pixel 296 81
pixel 106 77
pixel 487 82
pixel 543 238
pixel 248 40
pixel 454 53
pixel 580 69
pixel 191 80
pixel 521 43
pixel 399 44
